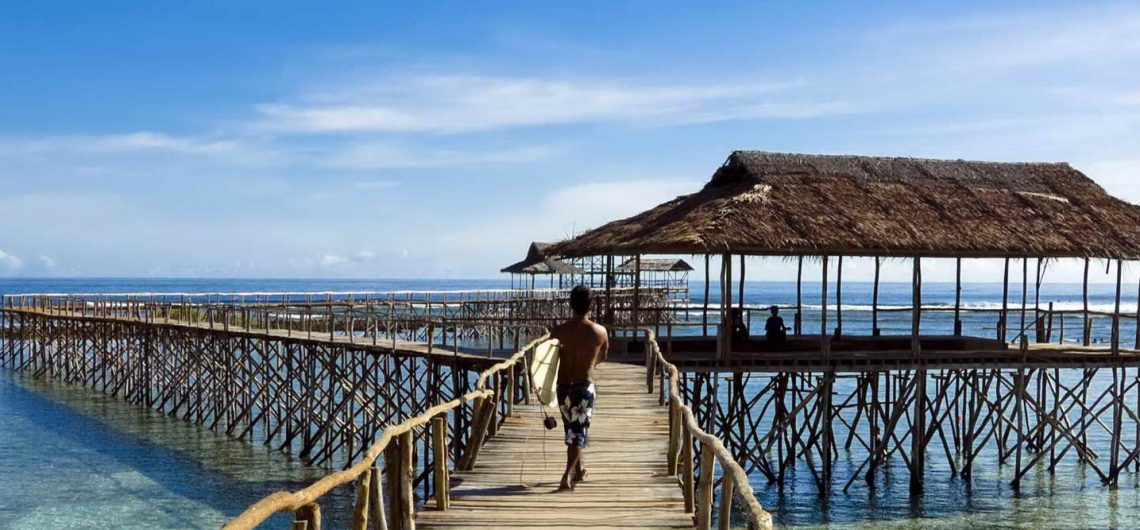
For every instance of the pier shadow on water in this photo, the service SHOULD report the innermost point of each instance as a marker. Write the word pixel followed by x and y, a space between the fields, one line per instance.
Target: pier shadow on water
pixel 74 458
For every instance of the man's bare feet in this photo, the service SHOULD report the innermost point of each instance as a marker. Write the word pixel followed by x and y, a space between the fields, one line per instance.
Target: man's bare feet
pixel 566 485
pixel 581 475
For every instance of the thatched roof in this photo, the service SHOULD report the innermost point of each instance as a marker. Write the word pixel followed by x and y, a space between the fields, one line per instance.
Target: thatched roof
pixel 537 262
pixel 655 265
pixel 790 204
pixel 546 266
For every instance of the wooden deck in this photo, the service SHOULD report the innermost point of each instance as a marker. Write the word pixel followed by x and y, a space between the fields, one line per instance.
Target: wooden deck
pixel 516 476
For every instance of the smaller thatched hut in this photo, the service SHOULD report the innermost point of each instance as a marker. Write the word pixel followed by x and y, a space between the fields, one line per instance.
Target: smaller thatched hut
pixel 537 263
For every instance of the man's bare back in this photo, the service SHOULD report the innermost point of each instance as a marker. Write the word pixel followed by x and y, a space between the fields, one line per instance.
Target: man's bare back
pixel 584 344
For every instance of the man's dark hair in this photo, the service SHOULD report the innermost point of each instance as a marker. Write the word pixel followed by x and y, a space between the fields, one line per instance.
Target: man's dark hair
pixel 580 299
pixel 775 310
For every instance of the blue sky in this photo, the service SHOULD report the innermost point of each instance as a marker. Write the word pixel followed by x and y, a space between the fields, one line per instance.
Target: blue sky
pixel 437 139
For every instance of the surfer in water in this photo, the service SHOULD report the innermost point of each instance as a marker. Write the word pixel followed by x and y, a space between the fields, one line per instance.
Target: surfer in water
pixel 584 344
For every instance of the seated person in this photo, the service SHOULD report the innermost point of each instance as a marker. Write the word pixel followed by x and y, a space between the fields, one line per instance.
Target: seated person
pixel 739 329
pixel 774 328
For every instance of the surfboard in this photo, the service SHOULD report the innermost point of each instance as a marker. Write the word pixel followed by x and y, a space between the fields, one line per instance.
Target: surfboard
pixel 544 372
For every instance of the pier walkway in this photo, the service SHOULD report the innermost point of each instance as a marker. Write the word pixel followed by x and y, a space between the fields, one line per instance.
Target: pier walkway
pixel 515 480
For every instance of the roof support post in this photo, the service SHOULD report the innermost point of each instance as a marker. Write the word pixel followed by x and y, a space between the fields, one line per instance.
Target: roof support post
pixel 740 289
pixel 705 308
pixel 918 432
pixel 1024 296
pixel 1038 321
pixel 824 343
pixel 958 297
pixel 636 289
pixel 1085 324
pixel 1116 312
pixel 916 303
pixel 839 297
pixel 608 278
pixel 1003 321
pixel 799 296
pixel 875 300
pixel 724 332
pixel 1136 341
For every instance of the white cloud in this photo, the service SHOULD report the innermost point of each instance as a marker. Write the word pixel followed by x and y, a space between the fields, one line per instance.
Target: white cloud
pixel 1086 35
pixel 1118 177
pixel 375 184
pixel 559 214
pixel 583 206
pixel 389 155
pixel 466 103
pixel 135 143
pixel 10 262
pixel 1128 99
pixel 47 261
pixel 332 261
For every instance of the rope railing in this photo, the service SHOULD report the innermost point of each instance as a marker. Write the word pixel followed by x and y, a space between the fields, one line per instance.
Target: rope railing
pixel 683 431
pixel 302 502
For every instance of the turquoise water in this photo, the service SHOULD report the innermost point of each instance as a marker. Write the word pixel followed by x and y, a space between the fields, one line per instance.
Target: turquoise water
pixel 72 458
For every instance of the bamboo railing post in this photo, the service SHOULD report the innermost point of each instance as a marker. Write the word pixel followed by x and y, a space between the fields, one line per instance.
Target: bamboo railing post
pixel 392 455
pixel 407 489
pixel 724 518
pixel 310 514
pixel 482 415
pixel 493 427
pixel 687 467
pixel 674 437
pixel 400 466
pixel 649 364
pixel 705 495
pixel 439 457
pixel 512 389
pixel 360 511
pixel 376 500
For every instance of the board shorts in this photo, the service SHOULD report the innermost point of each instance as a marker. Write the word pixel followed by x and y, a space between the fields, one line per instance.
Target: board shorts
pixel 576 402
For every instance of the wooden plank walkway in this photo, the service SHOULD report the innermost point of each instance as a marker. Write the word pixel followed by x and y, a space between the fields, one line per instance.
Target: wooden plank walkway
pixel 515 479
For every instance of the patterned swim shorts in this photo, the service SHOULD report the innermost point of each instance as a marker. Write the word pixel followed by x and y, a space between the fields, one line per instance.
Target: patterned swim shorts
pixel 576 402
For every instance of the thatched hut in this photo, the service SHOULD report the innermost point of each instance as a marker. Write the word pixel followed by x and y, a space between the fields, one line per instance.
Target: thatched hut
pixel 776 204
pixel 538 263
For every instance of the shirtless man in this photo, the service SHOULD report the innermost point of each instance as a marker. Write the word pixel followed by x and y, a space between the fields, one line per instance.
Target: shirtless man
pixel 584 344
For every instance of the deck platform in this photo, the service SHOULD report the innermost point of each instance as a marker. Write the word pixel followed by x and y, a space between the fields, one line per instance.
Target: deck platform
pixel 515 479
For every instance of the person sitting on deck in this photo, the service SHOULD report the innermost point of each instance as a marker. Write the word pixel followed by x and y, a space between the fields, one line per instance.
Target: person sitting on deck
pixel 584 344
pixel 774 328
pixel 739 329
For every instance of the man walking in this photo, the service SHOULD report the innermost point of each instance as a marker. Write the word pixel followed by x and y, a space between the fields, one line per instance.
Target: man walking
pixel 583 344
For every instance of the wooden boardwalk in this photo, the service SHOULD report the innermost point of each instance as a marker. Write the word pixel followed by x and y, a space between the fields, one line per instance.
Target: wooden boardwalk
pixel 516 476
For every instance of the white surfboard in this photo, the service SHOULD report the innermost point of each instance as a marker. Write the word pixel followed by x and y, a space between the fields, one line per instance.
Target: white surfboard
pixel 544 372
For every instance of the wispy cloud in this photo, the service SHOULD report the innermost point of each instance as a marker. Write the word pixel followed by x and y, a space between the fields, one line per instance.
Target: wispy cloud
pixel 240 150
pixel 1088 34
pixel 466 103
pixel 375 184
pixel 392 155
pixel 332 260
pixel 560 213
pixel 10 262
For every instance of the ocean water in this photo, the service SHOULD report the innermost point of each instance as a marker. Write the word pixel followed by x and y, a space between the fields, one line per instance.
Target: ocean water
pixel 73 458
